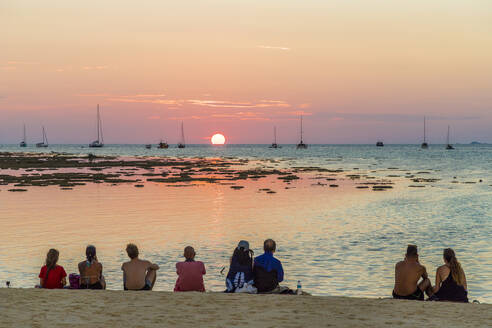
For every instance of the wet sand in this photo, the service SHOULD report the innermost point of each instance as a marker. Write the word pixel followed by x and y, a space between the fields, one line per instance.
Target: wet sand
pixel 66 308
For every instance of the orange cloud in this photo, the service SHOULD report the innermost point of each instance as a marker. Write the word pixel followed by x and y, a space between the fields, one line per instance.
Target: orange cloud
pixel 96 68
pixel 17 62
pixel 274 48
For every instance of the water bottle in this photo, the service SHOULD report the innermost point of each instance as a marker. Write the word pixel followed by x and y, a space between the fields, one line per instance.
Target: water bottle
pixel 299 288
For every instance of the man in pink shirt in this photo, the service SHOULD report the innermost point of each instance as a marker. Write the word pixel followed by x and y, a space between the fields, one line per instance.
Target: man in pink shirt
pixel 190 273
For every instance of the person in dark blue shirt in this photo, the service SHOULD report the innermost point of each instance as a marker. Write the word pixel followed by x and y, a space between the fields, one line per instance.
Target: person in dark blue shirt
pixel 268 271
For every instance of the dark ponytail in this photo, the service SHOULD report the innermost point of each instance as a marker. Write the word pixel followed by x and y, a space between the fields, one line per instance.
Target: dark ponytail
pixel 244 257
pixel 454 266
pixel 90 253
pixel 51 260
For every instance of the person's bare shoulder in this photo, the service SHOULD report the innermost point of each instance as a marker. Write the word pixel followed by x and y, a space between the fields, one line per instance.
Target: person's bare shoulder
pixel 399 264
pixel 145 263
pixel 442 269
pixel 123 266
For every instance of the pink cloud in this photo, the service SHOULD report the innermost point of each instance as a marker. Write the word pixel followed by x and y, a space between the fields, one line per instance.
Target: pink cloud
pixel 150 101
pixel 232 104
pixel 299 113
pixel 183 118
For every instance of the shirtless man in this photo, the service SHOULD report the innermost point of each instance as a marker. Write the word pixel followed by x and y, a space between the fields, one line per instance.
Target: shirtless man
pixel 138 274
pixel 407 274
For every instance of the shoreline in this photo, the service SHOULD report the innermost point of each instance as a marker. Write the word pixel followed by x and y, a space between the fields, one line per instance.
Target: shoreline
pixel 83 308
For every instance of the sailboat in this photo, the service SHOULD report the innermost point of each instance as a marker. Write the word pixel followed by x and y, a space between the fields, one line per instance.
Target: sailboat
pixel 301 145
pixel 448 145
pixel 274 144
pixel 163 145
pixel 23 143
pixel 181 144
pixel 380 144
pixel 100 139
pixel 43 144
pixel 424 144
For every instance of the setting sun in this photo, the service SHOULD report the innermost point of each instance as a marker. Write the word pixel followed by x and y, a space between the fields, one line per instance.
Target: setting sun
pixel 218 139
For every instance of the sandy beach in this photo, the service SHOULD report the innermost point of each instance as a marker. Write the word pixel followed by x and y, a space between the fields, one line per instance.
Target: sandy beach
pixel 65 308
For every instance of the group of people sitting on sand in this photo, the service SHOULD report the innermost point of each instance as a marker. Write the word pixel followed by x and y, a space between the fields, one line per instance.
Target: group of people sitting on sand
pixel 254 275
pixel 246 273
pixel 450 279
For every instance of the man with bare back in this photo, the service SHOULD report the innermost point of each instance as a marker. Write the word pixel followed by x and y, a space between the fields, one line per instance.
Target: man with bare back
pixel 138 274
pixel 407 275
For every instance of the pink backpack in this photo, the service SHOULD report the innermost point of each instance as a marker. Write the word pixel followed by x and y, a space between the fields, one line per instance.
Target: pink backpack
pixel 74 280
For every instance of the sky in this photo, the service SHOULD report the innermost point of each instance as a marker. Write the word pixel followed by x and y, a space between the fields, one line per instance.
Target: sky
pixel 357 70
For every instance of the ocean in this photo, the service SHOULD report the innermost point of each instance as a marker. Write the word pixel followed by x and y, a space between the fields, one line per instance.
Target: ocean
pixel 337 241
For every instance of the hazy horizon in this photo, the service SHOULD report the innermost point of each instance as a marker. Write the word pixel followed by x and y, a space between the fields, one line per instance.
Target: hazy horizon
pixel 358 71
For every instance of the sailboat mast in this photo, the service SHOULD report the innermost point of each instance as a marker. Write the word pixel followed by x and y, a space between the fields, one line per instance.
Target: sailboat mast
pixel 301 128
pixel 100 128
pixel 97 123
pixel 424 129
pixel 274 134
pixel 182 134
pixel 447 139
pixel 45 138
pixel 24 135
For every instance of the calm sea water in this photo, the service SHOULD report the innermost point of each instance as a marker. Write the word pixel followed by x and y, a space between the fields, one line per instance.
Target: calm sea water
pixel 337 241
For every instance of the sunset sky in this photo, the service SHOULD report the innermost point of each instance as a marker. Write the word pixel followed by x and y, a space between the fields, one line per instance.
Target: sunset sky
pixel 358 70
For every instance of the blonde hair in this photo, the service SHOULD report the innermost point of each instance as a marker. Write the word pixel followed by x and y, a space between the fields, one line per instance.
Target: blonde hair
pixel 454 266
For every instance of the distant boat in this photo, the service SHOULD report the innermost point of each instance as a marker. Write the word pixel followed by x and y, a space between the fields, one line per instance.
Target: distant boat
pixel 148 146
pixel 424 144
pixel 100 139
pixel 163 145
pixel 181 144
pixel 301 145
pixel 448 145
pixel 380 144
pixel 23 143
pixel 43 144
pixel 274 144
